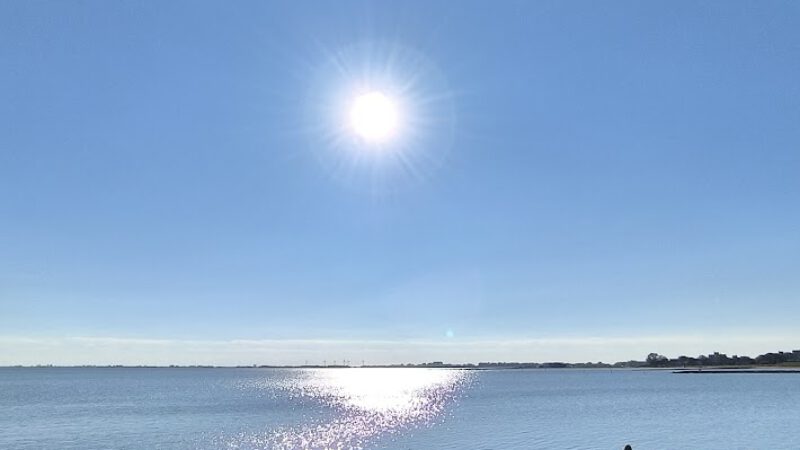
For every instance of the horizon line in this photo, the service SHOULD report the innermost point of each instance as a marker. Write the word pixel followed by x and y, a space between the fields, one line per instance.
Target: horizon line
pixel 137 351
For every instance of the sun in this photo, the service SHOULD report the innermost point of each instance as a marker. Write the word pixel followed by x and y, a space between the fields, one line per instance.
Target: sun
pixel 379 116
pixel 374 116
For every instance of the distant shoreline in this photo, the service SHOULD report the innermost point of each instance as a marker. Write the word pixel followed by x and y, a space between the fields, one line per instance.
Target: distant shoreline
pixel 706 370
pixel 777 361
pixel 736 370
pixel 406 366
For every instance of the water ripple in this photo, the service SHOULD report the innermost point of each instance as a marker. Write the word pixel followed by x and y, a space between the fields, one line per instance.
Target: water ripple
pixel 368 404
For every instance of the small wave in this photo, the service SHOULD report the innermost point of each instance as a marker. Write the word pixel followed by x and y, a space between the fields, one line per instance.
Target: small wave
pixel 369 404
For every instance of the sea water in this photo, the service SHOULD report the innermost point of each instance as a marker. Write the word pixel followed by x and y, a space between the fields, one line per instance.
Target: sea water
pixel 392 409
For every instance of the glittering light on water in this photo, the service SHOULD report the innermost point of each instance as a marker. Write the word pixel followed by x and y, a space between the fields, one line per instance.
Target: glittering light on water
pixel 368 403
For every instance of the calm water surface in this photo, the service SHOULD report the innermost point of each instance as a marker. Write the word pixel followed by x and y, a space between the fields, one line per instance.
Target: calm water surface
pixel 392 409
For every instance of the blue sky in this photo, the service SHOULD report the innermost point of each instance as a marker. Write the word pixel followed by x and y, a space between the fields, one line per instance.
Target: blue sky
pixel 598 171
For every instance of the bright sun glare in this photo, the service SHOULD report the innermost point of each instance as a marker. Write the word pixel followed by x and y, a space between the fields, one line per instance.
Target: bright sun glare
pixel 373 116
pixel 380 116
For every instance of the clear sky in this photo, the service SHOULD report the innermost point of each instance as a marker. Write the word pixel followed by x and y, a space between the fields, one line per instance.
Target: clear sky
pixel 575 181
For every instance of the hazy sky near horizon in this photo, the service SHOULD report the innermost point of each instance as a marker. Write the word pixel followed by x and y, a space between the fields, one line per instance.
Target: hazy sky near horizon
pixel 590 179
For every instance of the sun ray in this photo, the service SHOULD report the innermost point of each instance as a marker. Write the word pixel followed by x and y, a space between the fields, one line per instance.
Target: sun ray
pixel 380 116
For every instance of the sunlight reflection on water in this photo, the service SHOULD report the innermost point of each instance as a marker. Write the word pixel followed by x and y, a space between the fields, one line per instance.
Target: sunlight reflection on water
pixel 368 403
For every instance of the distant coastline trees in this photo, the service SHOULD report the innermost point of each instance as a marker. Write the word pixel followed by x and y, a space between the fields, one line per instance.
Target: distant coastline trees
pixel 721 359
pixel 656 360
